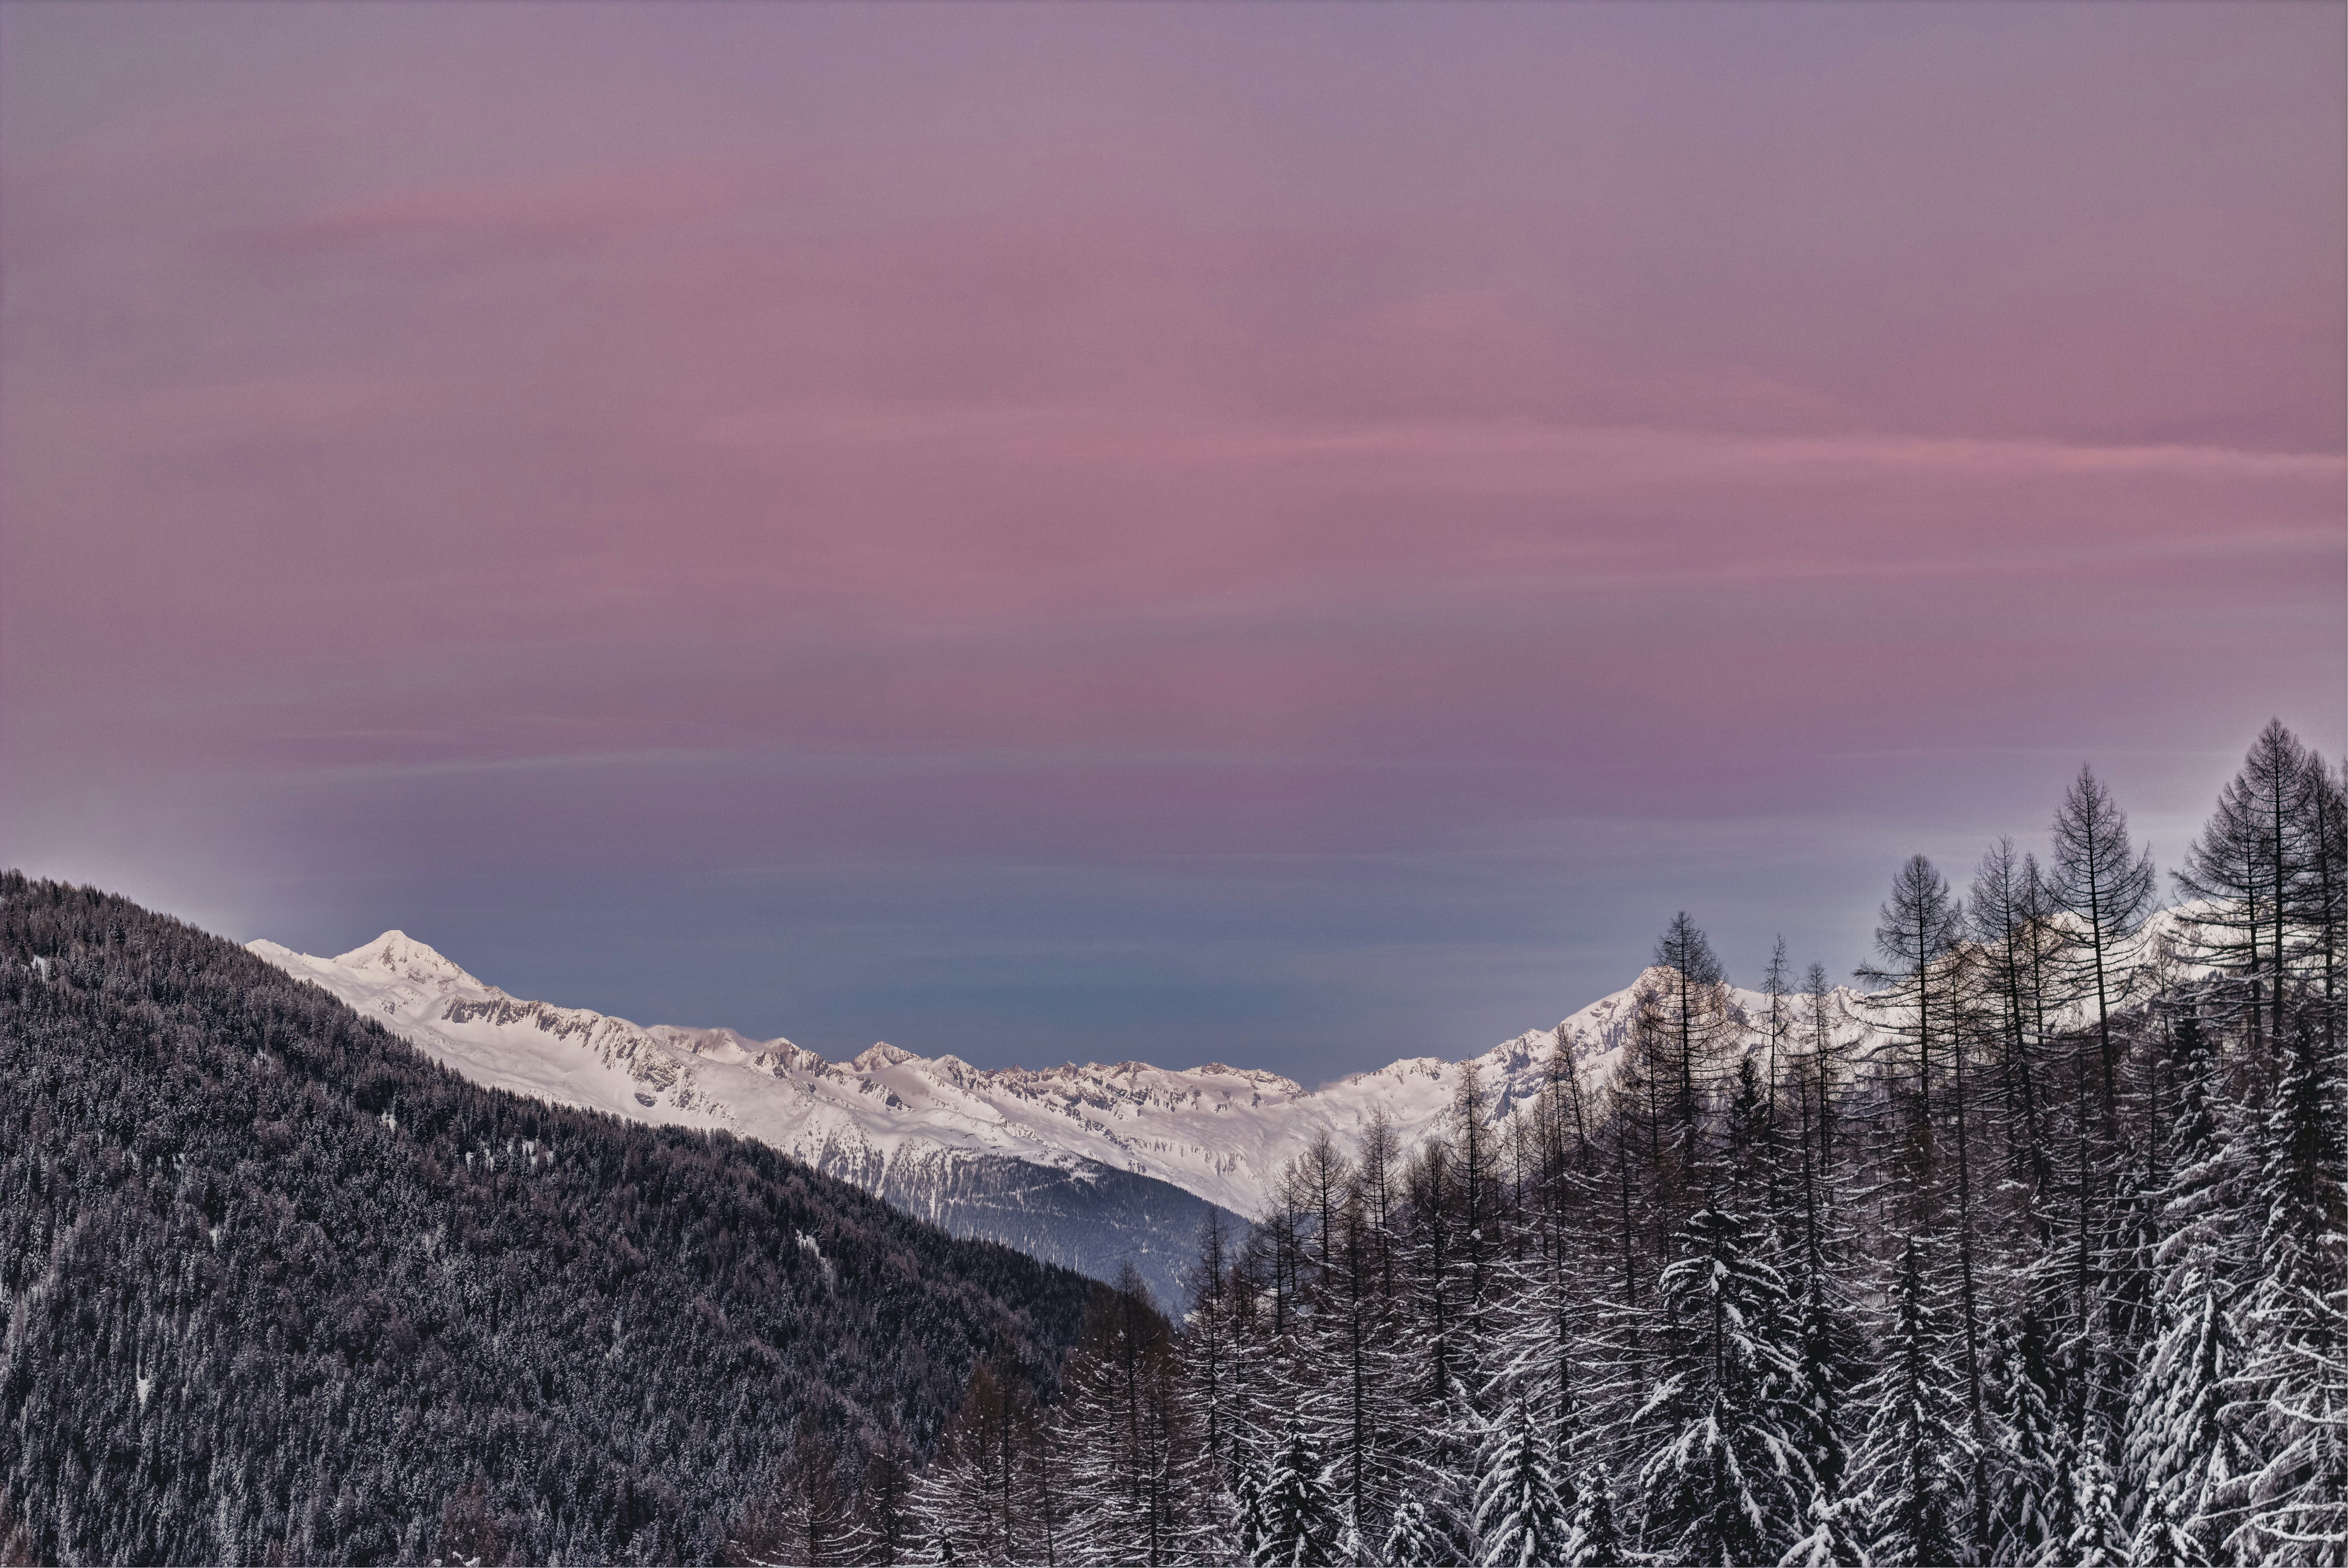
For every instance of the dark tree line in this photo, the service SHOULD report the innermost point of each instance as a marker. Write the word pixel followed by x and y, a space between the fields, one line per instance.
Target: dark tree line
pixel 276 1288
pixel 2039 1255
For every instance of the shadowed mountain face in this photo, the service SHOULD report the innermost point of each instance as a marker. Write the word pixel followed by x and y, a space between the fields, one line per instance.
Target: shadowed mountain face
pixel 1089 1218
pixel 279 1289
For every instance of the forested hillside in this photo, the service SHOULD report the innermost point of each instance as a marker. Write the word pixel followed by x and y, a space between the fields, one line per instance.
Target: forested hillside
pixel 2054 1271
pixel 278 1289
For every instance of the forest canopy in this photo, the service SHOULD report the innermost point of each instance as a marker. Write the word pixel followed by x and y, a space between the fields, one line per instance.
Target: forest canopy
pixel 278 1288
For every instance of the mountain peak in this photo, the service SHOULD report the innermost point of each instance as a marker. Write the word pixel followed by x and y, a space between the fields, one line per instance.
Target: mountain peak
pixel 396 953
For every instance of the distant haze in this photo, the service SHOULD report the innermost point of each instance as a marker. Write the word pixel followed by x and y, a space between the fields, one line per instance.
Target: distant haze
pixel 1289 535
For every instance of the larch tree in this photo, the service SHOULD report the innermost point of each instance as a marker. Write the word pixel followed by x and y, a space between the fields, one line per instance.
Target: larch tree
pixel 2247 871
pixel 2009 933
pixel 1694 1000
pixel 1915 1007
pixel 2106 886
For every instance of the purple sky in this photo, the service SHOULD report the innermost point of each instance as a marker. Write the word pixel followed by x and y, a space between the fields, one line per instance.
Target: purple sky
pixel 1295 535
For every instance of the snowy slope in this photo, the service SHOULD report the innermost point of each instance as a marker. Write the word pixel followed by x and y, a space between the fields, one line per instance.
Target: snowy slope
pixel 882 1119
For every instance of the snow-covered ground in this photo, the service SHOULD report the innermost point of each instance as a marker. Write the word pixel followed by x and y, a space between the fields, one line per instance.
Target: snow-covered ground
pixel 1222 1133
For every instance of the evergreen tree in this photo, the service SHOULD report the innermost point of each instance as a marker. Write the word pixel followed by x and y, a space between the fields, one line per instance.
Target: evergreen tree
pixel 2030 1463
pixel 1414 1542
pixel 1915 1463
pixel 1834 1540
pixel 1597 1542
pixel 1726 1479
pixel 2096 1538
pixel 1524 1516
pixel 280 1287
pixel 2181 1451
pixel 1299 1512
pixel 2184 1455
pixel 2295 1501
pixel 1825 1372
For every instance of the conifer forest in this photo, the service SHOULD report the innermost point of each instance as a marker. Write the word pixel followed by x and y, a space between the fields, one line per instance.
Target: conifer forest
pixel 2036 1254
pixel 2052 1272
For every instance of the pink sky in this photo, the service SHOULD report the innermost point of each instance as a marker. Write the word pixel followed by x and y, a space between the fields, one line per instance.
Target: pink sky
pixel 1289 534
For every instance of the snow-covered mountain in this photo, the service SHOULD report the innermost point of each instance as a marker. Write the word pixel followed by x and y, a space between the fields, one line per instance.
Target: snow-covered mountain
pixel 1088 1166
pixel 1221 1133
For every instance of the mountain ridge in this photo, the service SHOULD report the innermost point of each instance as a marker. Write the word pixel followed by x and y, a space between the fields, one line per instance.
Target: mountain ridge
pixel 1219 1133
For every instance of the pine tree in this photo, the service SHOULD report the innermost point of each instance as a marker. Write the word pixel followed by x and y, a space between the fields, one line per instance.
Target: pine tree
pixel 1825 1372
pixel 1724 1480
pixel 1249 1522
pixel 1300 1520
pixel 1414 1542
pixel 2181 1451
pixel 2096 1539
pixel 2295 1322
pixel 1834 1539
pixel 1914 1463
pixel 1523 1517
pixel 1597 1542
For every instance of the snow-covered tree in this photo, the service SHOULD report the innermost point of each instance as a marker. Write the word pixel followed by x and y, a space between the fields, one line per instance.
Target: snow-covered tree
pixel 1915 1463
pixel 1835 1536
pixel 1413 1541
pixel 2182 1451
pixel 1297 1506
pixel 2029 1466
pixel 1524 1514
pixel 1724 1479
pixel 1597 1542
pixel 2096 1538
pixel 2294 1322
